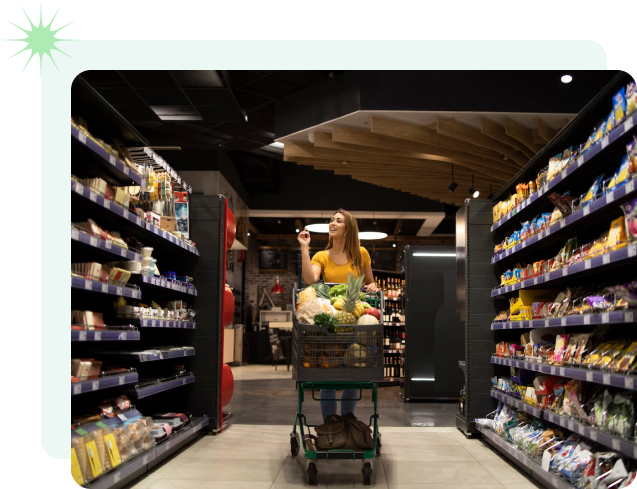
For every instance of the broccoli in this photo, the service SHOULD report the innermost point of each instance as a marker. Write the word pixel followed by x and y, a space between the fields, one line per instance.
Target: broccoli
pixel 338 290
pixel 326 321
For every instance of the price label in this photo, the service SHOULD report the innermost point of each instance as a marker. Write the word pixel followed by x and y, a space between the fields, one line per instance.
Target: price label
pixel 98 335
pixel 105 288
pixel 548 231
pixel 108 245
pixel 571 425
pixel 524 244
pixel 628 383
pixel 82 137
pixel 587 319
pixel 546 323
pixel 628 316
pixel 632 250
pixel 95 385
pixel 562 372
pixel 605 317
pixel 145 460
pixel 610 196
pixel 153 323
pixel 589 376
pixel 581 429
pixel 88 285
pixel 586 211
pixel 580 161
pixel 606 379
pixel 125 214
pixel 615 444
pixel 587 264
pixel 526 365
pixel 564 271
pixel 540 235
pixel 186 353
pixel 535 281
pixel 82 336
pixel 167 445
pixel 592 435
pixel 93 196
pixel 630 186
pixel 183 382
pixel 604 142
pixel 563 322
pixel 552 370
pixel 122 417
pixel 506 253
pixel 126 171
pixel 107 203
pixel 119 291
pixel 117 476
pixel 75 234
pixel 92 241
pixel 122 380
pixel 77 389
pixel 148 226
pixel 564 174
pixel 124 336
pixel 628 124
pixel 523 285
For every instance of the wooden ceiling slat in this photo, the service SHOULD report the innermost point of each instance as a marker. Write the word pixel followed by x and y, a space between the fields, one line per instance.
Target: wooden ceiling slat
pixel 496 131
pixel 523 134
pixel 474 136
pixel 545 131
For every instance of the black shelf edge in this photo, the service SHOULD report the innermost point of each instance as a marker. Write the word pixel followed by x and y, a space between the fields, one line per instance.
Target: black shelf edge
pixel 596 149
pixel 162 282
pixel 622 381
pixel 613 317
pixel 149 390
pixel 102 383
pixel 621 255
pixel 604 202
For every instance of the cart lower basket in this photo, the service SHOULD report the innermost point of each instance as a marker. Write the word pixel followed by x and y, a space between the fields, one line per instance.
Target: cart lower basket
pixel 301 430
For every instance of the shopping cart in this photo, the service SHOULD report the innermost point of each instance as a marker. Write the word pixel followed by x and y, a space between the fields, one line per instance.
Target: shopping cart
pixel 351 358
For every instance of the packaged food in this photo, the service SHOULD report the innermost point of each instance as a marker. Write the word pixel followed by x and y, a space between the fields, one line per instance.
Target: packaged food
pixel 610 355
pixel 631 154
pixel 571 349
pixel 610 123
pixel 619 105
pixel 554 165
pixel 630 212
pixel 563 203
pixel 617 233
pixel 631 98
pixel 581 348
pixel 599 131
pixel 593 191
pixel 621 419
pixel 621 176
pixel 561 342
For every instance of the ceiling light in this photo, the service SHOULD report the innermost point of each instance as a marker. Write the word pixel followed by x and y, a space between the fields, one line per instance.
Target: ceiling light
pixel 567 79
pixel 473 191
pixel 176 112
pixel 394 245
pixel 371 235
pixel 453 185
pixel 297 230
pixel 248 233
pixel 279 221
pixel 276 145
pixel 318 228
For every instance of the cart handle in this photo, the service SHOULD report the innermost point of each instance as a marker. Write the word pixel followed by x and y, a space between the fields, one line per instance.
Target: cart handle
pixel 359 398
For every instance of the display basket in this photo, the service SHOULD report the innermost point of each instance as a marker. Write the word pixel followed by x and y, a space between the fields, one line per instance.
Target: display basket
pixel 353 354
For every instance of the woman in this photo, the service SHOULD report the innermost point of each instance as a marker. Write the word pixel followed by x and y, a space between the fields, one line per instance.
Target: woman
pixel 342 255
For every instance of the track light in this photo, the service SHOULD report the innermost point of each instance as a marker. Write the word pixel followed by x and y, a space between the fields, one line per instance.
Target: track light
pixel 473 191
pixel 453 185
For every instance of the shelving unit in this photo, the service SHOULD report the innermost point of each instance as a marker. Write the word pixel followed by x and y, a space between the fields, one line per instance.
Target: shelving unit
pixel 484 298
pixel 123 347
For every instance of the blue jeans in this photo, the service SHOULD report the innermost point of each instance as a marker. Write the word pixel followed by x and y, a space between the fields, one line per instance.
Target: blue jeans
pixel 347 404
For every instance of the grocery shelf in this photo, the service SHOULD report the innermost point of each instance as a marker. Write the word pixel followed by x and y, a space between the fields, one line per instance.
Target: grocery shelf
pixel 622 381
pixel 597 148
pixel 604 202
pixel 611 441
pixel 101 383
pixel 164 355
pixel 164 323
pixel 516 403
pixel 393 299
pixel 617 256
pixel 394 323
pixel 113 170
pixel 147 157
pixel 103 335
pixel 164 283
pixel 393 351
pixel 143 391
pixel 613 317
pixel 547 478
pixel 105 245
pixel 104 288
pixel 138 464
pixel 118 210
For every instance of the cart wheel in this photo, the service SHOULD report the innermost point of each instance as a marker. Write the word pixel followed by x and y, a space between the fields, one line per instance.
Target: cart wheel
pixel 378 446
pixel 312 474
pixel 367 474
pixel 294 445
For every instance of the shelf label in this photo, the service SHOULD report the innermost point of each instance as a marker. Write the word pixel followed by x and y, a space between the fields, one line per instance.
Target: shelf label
pixel 628 383
pixel 75 234
pixel 108 245
pixel 107 203
pixel 589 376
pixel 122 379
pixel 606 379
pixel 105 288
pixel 81 137
pixel 526 365
pixel 93 196
pixel 82 336
pixel 571 425
pixel 524 244
pixel 586 210
pixel 92 241
pixel 580 161
pixel 540 235
pixel 95 385
pixel 587 264
pixel 523 285
pixel 592 434
pixel 98 335
pixel 581 429
pixel 535 281
pixel 615 444
pixel 564 174
pixel 605 317
pixel 153 323
pixel 562 223
pixel 88 285
pixel 587 319
pixel 610 196
pixel 117 477
pixel 167 445
pixel 546 323
pixel 632 250
pixel 122 417
pixel 126 171
pixel 77 389
pixel 552 370
pixel 145 460
pixel 125 214
pixel 564 271
pixel 604 141
pixel 628 316
pixel 183 382
pixel 563 322
pixel 124 336
pixel 119 291
pixel 630 186
pixel 628 124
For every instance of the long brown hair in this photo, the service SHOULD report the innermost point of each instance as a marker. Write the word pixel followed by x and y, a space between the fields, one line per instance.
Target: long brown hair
pixel 352 243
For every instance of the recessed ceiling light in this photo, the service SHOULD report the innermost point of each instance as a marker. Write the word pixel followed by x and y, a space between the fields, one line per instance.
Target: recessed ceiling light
pixel 318 228
pixel 297 230
pixel 176 113
pixel 394 245
pixel 248 233
pixel 276 145
pixel 567 79
pixel 371 235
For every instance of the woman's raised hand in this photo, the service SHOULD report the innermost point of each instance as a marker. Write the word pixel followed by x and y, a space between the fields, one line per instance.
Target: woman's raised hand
pixel 372 287
pixel 304 238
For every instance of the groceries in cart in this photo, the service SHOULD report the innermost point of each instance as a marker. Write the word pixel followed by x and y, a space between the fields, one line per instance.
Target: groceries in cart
pixel 346 303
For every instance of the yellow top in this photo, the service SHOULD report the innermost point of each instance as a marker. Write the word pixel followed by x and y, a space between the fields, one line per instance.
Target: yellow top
pixel 337 274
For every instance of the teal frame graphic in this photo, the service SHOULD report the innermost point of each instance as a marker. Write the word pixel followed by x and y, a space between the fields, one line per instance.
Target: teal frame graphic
pixel 227 55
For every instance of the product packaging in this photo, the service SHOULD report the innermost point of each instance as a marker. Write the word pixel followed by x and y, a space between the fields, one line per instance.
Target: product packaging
pixel 630 212
pixel 619 105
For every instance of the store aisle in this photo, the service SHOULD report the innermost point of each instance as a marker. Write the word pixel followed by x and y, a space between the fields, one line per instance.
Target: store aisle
pixel 254 452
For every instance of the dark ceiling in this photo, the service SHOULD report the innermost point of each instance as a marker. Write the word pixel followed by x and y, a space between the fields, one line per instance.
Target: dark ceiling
pixel 217 101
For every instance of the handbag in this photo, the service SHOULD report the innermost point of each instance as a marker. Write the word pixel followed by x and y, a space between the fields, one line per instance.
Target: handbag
pixel 345 433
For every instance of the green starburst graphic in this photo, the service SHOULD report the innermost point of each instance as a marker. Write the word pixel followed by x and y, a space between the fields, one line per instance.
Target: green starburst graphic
pixel 40 40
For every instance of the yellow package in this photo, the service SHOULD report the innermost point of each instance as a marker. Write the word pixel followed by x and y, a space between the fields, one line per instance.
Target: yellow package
pixel 76 472
pixel 617 234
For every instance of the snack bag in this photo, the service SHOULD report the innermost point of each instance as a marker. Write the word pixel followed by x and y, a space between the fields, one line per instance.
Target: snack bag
pixel 592 192
pixel 617 234
pixel 624 363
pixel 619 105
pixel 554 165
pixel 610 123
pixel 631 98
pixel 599 131
pixel 630 212
pixel 561 342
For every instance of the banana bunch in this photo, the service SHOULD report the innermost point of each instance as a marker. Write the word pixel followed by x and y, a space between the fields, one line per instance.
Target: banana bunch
pixel 358 310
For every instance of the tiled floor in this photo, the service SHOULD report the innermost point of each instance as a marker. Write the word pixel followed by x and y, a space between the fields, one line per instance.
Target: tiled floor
pixel 254 452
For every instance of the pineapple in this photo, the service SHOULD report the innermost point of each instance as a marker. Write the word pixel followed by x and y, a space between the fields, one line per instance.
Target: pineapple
pixel 348 313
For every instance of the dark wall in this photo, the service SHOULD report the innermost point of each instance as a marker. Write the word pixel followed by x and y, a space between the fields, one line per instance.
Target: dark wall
pixel 303 188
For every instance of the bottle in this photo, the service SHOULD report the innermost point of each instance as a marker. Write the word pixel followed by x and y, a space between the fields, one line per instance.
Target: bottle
pixel 403 342
pixel 392 285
